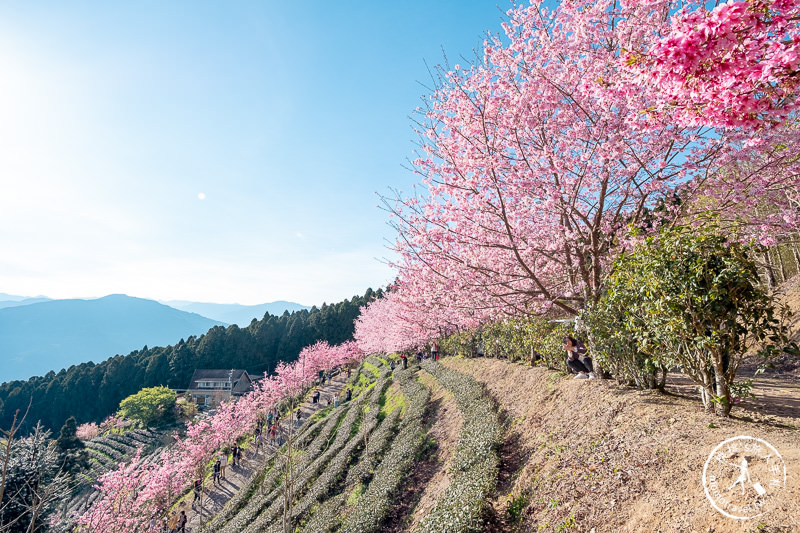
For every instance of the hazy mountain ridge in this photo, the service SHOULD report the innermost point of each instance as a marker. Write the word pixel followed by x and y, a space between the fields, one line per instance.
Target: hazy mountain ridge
pixel 50 335
pixel 24 301
pixel 238 314
pixel 91 391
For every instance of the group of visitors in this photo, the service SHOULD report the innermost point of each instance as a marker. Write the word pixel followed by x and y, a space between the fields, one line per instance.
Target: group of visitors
pixel 176 522
pixel 419 356
pixel 236 456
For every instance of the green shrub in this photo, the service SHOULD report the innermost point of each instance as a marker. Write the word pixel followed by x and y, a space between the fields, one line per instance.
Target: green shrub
pixel 149 406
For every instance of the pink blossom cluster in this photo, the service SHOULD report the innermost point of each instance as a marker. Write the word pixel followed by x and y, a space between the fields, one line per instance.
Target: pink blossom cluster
pixel 537 159
pixel 397 323
pixel 532 168
pixel 114 422
pixel 140 490
pixel 87 431
pixel 733 66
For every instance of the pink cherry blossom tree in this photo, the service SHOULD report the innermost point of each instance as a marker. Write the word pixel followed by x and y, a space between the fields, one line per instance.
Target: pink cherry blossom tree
pixel 537 158
pixel 140 490
pixel 734 66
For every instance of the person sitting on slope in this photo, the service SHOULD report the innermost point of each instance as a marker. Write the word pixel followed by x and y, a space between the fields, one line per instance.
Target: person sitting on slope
pixel 577 360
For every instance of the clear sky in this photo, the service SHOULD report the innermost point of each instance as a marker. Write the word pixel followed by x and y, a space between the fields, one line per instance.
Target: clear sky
pixel 212 151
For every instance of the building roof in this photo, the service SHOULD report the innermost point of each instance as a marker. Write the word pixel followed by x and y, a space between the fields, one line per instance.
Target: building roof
pixel 233 375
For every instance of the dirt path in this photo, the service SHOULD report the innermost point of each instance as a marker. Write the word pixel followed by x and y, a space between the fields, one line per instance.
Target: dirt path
pixel 777 397
pixel 215 496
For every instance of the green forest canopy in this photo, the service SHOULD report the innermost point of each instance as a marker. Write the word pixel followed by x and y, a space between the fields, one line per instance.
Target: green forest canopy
pixel 90 392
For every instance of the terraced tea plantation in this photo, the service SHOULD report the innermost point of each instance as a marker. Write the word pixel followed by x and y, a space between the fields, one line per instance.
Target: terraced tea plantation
pixel 105 453
pixel 347 465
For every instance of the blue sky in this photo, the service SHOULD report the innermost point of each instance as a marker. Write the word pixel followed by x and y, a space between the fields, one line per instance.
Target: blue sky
pixel 225 151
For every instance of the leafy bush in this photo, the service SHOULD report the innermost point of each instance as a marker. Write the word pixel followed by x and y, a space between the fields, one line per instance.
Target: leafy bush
pixel 691 298
pixel 533 339
pixel 149 406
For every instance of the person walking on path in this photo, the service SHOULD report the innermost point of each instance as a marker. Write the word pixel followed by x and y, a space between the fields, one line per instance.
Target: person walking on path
pixel 435 351
pixel 198 486
pixel 217 469
pixel 182 522
pixel 235 455
pixel 223 464
pixel 405 361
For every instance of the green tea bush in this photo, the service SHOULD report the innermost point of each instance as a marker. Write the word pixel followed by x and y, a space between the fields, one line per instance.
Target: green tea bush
pixel 532 339
pixel 336 467
pixel 475 462
pixel 376 502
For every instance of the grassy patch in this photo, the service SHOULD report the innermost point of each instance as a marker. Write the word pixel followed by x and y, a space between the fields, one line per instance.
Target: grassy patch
pixel 322 413
pixel 372 369
pixel 392 399
pixel 358 490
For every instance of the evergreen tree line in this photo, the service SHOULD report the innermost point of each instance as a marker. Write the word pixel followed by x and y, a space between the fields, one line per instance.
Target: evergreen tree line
pixel 90 392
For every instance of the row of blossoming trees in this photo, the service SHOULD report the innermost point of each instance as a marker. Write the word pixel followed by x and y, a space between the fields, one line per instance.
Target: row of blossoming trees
pixel 138 491
pixel 575 125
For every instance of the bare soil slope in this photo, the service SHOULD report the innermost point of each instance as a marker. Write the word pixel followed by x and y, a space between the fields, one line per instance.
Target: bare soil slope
pixel 587 455
pixel 789 294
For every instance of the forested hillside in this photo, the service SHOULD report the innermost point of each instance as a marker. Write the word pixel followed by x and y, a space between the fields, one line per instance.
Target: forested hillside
pixel 90 392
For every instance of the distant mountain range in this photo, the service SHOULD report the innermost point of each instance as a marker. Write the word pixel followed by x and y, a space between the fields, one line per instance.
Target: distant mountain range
pixel 54 334
pixel 25 301
pixel 11 300
pixel 241 315
pixel 39 334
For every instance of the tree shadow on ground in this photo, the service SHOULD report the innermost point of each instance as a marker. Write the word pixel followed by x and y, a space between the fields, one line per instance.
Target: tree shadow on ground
pixel 777 396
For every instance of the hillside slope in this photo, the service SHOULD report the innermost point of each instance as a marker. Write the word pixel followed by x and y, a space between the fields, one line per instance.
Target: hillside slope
pixel 52 335
pixel 586 455
pixel 423 450
pixel 789 295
